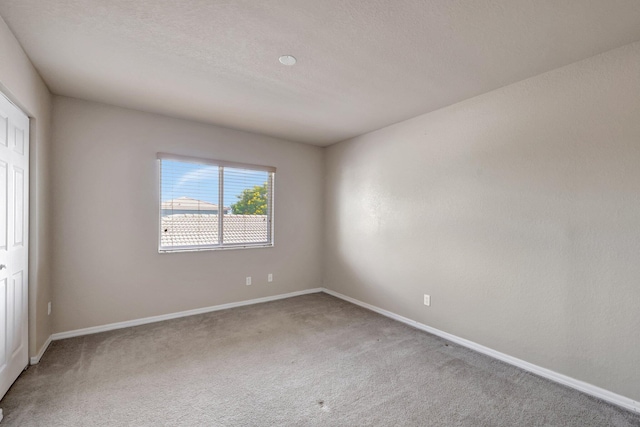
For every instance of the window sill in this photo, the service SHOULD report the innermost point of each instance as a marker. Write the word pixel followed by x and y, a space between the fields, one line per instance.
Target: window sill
pixel 213 248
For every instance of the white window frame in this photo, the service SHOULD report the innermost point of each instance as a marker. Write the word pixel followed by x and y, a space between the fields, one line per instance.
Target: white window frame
pixel 221 164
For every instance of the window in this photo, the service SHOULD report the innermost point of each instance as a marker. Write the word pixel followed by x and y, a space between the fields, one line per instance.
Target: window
pixel 210 204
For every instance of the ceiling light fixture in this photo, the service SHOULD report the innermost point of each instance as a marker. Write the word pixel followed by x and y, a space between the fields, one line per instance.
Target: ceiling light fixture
pixel 288 59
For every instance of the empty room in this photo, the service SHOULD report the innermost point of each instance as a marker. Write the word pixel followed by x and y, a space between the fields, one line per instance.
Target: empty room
pixel 319 213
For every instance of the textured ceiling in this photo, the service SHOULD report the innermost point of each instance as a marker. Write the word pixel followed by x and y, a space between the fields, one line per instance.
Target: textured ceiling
pixel 362 64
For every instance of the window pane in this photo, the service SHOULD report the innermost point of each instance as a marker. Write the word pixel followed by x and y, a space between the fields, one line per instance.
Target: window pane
pixel 189 204
pixel 246 195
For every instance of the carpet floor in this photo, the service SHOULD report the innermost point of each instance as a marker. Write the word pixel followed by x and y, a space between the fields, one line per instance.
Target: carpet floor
pixel 312 360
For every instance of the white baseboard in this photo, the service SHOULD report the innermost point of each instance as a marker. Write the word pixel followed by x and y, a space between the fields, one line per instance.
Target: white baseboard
pixel 582 386
pixel 36 359
pixel 153 319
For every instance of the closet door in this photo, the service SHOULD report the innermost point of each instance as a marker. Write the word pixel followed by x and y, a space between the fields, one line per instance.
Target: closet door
pixel 14 228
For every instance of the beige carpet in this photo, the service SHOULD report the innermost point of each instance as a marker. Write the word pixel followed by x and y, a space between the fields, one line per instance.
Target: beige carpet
pixel 307 361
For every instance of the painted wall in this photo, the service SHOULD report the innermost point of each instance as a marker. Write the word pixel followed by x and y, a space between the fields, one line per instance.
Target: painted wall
pixel 518 211
pixel 106 262
pixel 21 83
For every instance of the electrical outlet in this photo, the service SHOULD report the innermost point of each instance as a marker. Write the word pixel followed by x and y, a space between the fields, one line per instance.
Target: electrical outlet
pixel 270 277
pixel 49 309
pixel 427 299
pixel 249 281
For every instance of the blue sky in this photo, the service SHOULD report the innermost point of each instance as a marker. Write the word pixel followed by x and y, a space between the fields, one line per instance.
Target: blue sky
pixel 198 181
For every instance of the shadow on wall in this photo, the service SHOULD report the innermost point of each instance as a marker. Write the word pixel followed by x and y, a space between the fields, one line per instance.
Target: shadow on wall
pixel 517 211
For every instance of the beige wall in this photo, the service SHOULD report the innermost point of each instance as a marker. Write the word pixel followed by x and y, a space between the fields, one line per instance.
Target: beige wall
pixel 21 83
pixel 518 212
pixel 106 262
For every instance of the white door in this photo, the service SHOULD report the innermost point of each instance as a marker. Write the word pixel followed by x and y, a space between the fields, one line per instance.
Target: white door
pixel 14 228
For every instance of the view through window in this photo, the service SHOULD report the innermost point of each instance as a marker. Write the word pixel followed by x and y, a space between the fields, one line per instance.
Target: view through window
pixel 210 204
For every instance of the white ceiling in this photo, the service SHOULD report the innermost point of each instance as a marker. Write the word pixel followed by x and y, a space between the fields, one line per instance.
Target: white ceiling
pixel 362 64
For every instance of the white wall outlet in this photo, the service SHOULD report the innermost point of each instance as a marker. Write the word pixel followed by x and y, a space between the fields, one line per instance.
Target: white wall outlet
pixel 427 299
pixel 270 277
pixel 249 281
pixel 49 309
